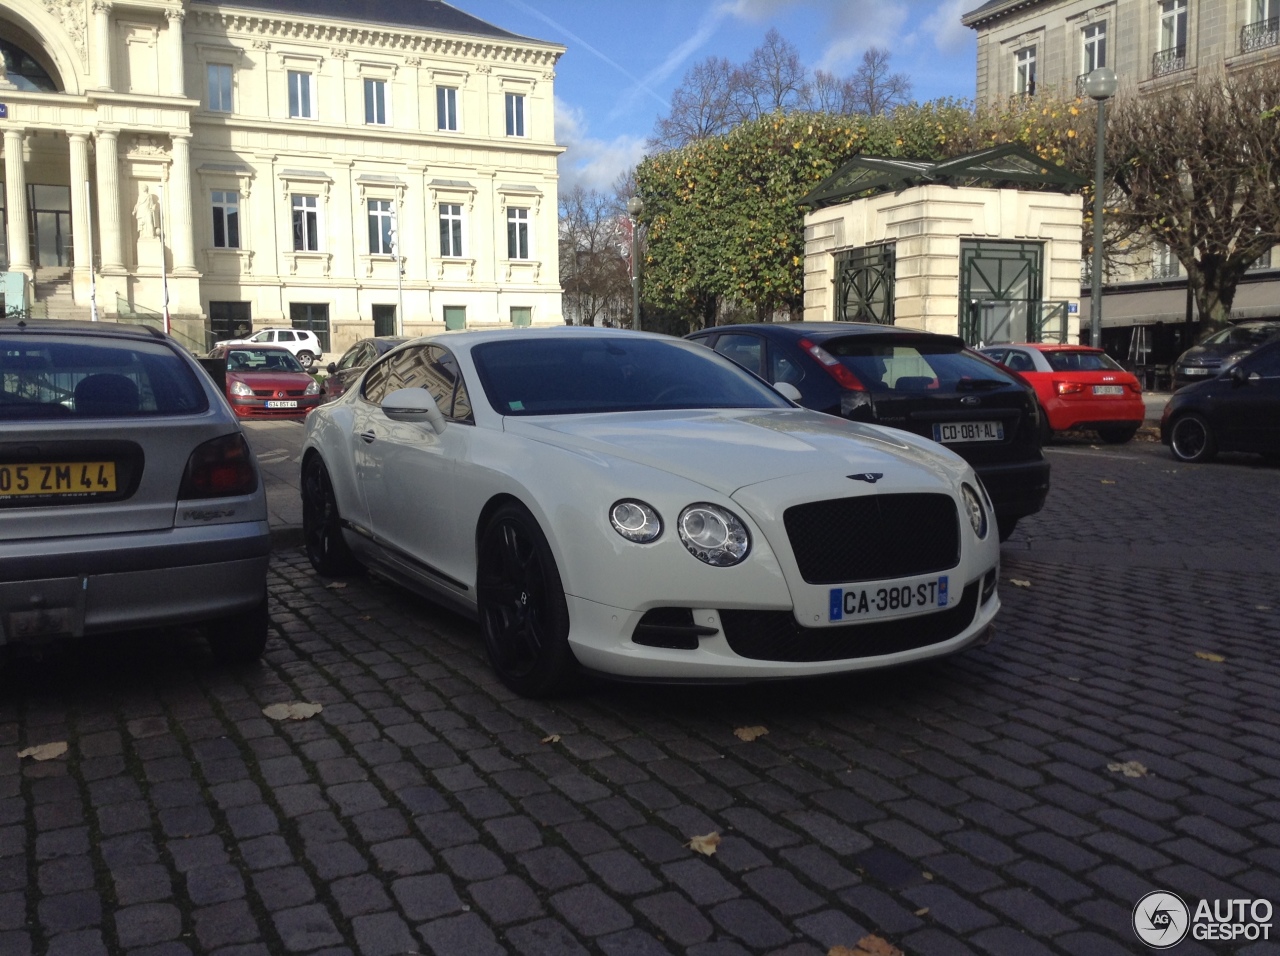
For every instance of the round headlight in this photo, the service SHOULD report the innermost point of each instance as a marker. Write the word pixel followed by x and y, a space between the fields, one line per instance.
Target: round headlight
pixel 714 535
pixel 241 389
pixel 973 507
pixel 635 521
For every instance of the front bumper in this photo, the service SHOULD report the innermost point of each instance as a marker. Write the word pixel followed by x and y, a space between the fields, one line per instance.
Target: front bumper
pixel 1016 488
pixel 70 587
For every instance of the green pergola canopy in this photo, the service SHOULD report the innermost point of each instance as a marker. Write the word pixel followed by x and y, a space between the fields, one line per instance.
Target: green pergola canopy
pixel 996 167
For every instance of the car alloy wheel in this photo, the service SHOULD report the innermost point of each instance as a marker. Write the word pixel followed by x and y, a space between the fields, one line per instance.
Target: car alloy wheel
pixel 1192 439
pixel 523 614
pixel 322 523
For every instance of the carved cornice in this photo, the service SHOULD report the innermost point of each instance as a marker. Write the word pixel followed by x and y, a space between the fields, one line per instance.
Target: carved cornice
pixel 353 35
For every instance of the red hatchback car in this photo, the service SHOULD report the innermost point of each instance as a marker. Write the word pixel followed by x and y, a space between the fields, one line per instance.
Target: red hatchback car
pixel 267 382
pixel 1078 387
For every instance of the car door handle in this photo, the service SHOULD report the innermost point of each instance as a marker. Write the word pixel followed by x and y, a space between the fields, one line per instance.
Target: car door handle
pixel 368 437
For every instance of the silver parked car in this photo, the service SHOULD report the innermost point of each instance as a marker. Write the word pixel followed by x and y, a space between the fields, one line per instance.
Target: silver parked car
pixel 129 497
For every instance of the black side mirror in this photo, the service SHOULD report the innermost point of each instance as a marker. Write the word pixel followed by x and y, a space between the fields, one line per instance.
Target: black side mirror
pixel 333 368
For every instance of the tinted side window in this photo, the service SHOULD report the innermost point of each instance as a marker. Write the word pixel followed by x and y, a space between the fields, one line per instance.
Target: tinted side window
pixel 746 350
pixel 1266 363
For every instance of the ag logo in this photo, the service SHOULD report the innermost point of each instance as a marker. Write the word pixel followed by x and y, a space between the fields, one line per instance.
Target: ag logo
pixel 1161 920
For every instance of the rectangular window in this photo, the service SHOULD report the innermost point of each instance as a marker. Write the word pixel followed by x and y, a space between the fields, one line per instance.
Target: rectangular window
pixel 1264 10
pixel 517 234
pixel 1164 264
pixel 384 320
pixel 450 229
pixel 446 108
pixel 1024 79
pixel 313 316
pixel 1095 47
pixel 375 102
pixel 515 114
pixel 521 315
pixel 300 95
pixel 226 219
pixel 1173 25
pixel 219 88
pixel 306 228
pixel 381 228
pixel 455 316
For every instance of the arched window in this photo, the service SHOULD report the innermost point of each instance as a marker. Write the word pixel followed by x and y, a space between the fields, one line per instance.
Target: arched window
pixel 24 72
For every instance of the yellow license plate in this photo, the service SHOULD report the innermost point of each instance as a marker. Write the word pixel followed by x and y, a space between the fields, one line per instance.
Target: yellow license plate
pixel 58 478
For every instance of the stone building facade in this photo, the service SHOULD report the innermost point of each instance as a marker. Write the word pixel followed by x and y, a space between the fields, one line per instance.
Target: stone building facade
pixel 342 165
pixel 1037 47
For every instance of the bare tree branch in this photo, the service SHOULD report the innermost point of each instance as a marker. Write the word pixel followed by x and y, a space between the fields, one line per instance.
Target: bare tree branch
pixel 874 90
pixel 594 246
pixel 702 106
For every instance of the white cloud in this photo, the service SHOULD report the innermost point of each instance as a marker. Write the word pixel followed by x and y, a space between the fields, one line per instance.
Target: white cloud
pixel 944 26
pixel 853 28
pixel 589 162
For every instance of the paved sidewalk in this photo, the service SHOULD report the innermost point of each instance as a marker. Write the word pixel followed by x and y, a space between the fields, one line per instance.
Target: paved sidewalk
pixel 277 446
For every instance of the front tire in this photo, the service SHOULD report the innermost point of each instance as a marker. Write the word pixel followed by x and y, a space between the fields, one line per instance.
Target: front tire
pixel 322 523
pixel 241 638
pixel 1117 434
pixel 1006 527
pixel 524 618
pixel 1192 439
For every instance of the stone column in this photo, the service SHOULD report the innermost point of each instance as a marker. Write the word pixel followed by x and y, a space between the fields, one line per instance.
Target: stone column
pixel 102 43
pixel 177 74
pixel 108 164
pixel 181 239
pixel 15 183
pixel 81 221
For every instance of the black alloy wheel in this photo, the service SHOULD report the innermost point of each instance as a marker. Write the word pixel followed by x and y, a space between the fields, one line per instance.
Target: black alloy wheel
pixel 322 524
pixel 523 614
pixel 1192 439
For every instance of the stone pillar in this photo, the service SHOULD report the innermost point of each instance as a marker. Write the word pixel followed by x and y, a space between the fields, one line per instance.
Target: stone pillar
pixel 181 241
pixel 102 43
pixel 108 164
pixel 15 183
pixel 81 221
pixel 177 74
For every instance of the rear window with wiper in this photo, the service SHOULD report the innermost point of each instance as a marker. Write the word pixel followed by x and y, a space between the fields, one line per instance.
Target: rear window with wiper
pixel 915 365
pixel 57 376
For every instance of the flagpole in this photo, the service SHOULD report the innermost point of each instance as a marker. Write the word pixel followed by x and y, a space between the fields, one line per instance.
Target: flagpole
pixel 164 266
pixel 93 282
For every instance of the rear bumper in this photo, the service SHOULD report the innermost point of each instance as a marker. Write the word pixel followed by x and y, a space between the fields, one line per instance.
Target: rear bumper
pixel 1017 488
pixel 103 583
pixel 1090 413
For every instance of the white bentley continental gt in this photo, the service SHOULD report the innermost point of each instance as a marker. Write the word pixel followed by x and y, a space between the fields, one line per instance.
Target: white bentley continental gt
pixel 638 506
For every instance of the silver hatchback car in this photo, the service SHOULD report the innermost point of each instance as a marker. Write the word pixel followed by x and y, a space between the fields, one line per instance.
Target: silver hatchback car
pixel 129 497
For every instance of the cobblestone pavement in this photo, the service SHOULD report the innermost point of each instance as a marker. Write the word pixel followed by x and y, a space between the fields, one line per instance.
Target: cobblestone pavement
pixel 962 806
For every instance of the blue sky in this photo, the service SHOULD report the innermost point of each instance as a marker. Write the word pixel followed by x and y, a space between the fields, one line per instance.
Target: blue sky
pixel 625 58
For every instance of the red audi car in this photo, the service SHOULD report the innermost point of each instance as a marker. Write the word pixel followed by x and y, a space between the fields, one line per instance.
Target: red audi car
pixel 267 382
pixel 1078 387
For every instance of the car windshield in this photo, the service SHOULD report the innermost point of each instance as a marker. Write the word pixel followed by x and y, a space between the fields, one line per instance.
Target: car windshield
pixel 580 374
pixel 51 376
pixel 1070 361
pixel 914 365
pixel 261 360
pixel 1243 335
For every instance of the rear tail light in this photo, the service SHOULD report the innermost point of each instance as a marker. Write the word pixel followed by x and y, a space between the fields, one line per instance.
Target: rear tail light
pixel 222 468
pixel 844 378
pixel 1069 388
pixel 1135 387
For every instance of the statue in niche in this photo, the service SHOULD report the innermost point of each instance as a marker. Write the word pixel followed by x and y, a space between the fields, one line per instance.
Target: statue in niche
pixel 147 214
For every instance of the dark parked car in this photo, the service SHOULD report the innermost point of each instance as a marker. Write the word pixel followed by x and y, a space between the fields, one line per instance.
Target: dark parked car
pixel 1239 410
pixel 354 361
pixel 1220 350
pixel 129 497
pixel 922 382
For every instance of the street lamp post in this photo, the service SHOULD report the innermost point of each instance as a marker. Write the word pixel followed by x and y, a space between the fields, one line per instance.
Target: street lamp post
pixel 395 255
pixel 1099 86
pixel 635 206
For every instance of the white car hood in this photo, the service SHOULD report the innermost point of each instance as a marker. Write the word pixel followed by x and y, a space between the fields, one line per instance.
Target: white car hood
pixel 732 449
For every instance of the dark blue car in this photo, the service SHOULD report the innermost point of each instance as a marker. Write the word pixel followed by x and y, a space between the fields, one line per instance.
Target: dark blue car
pixel 1237 410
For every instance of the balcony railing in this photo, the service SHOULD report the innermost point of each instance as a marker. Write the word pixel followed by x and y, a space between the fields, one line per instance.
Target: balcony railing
pixel 1169 61
pixel 1260 35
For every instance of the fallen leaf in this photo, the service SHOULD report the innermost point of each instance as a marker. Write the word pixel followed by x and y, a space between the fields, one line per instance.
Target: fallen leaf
pixel 706 844
pixel 45 751
pixel 335 585
pixel 551 739
pixel 1107 482
pixel 1076 679
pixel 1019 583
pixel 1262 607
pixel 875 946
pixel 927 875
pixel 844 951
pixel 295 710
pixel 366 617
pixel 1130 768
pixel 750 733
pixel 922 910
pixel 1210 656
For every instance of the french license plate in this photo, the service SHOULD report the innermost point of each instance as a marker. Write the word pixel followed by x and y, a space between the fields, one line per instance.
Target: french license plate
pixel 865 604
pixel 949 432
pixel 25 626
pixel 289 404
pixel 58 478
pixel 1108 389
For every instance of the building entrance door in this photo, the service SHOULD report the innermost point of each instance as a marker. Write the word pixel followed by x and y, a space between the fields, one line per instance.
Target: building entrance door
pixel 1000 288
pixel 50 225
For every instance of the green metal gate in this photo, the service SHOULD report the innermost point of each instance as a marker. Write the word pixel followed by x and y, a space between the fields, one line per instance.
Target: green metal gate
pixel 864 284
pixel 1000 288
